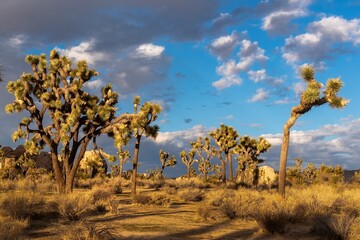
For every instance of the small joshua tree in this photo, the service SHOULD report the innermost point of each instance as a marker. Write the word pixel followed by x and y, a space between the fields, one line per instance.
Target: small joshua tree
pixel 205 152
pixel 141 125
pixel 225 139
pixel 312 96
pixel 249 150
pixel 62 115
pixel 166 161
pixel 188 160
pixel 124 156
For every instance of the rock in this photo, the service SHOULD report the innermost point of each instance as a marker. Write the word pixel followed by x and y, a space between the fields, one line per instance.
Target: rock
pixel 267 175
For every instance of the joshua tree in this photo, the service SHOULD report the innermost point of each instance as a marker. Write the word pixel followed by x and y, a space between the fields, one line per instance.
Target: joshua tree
pixel 312 96
pixel 141 125
pixel 166 161
pixel 205 152
pixel 124 156
pixel 188 160
pixel 225 139
pixel 249 150
pixel 61 114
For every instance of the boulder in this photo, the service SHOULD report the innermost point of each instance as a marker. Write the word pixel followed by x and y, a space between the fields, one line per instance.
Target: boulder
pixel 267 175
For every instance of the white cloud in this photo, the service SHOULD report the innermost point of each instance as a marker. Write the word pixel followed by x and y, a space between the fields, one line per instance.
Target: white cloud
pixel 279 20
pixel 299 88
pixel 17 40
pixel 282 101
pixel 181 138
pixel 324 39
pixel 248 54
pixel 98 83
pixel 331 144
pixel 227 81
pixel 223 46
pixel 149 50
pixel 260 95
pixel 257 76
pixel 84 51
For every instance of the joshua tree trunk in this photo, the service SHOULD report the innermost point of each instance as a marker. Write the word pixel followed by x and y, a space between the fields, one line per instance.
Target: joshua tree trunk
pixel 284 152
pixel 120 169
pixel 135 164
pixel 229 157
pixel 223 174
pixel 188 172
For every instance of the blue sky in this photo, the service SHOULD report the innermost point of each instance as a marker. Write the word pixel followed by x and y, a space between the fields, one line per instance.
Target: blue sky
pixel 206 62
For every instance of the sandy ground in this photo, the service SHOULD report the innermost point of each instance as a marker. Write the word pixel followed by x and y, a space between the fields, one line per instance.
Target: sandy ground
pixel 176 222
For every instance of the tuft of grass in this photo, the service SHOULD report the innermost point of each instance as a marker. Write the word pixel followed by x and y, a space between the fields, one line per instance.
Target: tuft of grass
pixel 22 205
pixel 229 207
pixel 100 198
pixel 335 227
pixel 161 199
pixel 191 195
pixel 73 206
pixel 142 199
pixel 272 216
pixel 12 228
pixel 85 230
pixel 203 212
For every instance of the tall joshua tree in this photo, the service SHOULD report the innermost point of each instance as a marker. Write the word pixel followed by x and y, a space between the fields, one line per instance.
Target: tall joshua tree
pixel 166 161
pixel 124 156
pixel 61 114
pixel 205 152
pixel 225 139
pixel 188 160
pixel 141 125
pixel 312 96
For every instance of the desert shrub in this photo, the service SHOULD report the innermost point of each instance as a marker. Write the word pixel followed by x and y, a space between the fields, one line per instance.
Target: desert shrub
pixel 161 199
pixel 151 183
pixel 170 190
pixel 190 183
pixel 191 195
pixel 203 212
pixel 22 205
pixel 11 229
pixel 100 198
pixel 25 184
pixel 334 227
pixel 272 216
pixel 229 207
pixel 142 199
pixel 7 185
pixel 216 197
pixel 85 230
pixel 73 206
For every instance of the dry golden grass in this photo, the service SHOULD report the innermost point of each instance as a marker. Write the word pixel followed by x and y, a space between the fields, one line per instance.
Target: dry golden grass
pixel 178 212
pixel 12 229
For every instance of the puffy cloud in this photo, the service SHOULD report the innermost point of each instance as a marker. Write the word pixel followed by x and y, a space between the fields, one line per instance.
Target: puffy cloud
pixel 324 38
pixel 227 81
pixel 181 138
pixel 299 88
pixel 249 53
pixel 17 41
pixel 260 95
pixel 149 50
pixel 223 46
pixel 84 51
pixel 331 144
pixel 95 84
pixel 143 65
pixel 279 20
pixel 257 76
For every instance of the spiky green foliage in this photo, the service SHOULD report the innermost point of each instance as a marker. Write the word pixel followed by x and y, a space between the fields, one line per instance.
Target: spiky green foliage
pixel 62 115
pixel 188 158
pixel 314 95
pixel 249 150
pixel 166 161
pixel 225 138
pixel 205 152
